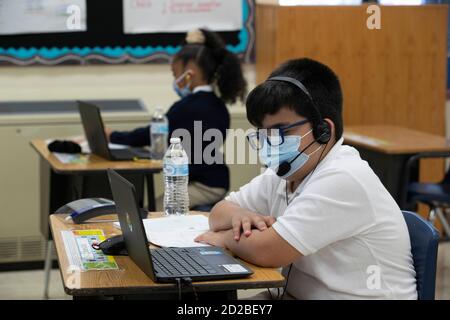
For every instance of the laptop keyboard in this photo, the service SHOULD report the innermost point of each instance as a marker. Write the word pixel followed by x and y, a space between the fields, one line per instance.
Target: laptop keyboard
pixel 180 262
pixel 130 153
pixel 123 154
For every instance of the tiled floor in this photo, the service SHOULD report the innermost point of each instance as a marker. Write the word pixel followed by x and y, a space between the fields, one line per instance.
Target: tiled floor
pixel 30 284
pixel 443 272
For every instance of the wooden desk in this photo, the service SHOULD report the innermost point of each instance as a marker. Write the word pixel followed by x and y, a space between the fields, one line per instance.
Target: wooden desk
pixel 58 180
pixel 387 149
pixel 394 139
pixel 129 280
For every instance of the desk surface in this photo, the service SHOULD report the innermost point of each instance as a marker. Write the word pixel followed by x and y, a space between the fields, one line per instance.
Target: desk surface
pixel 394 140
pixel 129 279
pixel 94 163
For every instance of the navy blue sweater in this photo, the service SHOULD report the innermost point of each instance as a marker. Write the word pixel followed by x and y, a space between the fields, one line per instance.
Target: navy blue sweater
pixel 200 106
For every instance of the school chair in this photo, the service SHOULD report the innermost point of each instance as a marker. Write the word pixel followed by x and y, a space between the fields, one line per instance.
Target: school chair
pixel 435 195
pixel 424 248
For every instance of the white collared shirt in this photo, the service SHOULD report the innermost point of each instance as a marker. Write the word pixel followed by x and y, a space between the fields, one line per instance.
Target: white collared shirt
pixel 205 88
pixel 350 231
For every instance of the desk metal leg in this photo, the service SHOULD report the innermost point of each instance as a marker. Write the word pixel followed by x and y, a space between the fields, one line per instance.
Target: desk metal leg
pixel 48 268
pixel 151 193
pixel 443 220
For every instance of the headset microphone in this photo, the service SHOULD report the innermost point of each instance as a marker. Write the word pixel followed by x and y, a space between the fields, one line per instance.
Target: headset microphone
pixel 286 165
pixel 284 168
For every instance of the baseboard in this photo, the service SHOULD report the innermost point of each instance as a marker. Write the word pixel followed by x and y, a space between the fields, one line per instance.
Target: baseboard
pixel 26 266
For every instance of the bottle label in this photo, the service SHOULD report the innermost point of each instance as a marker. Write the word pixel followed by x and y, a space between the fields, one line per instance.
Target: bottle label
pixel 176 170
pixel 159 128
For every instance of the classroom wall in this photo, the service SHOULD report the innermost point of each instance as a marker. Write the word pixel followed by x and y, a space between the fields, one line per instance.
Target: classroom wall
pixel 395 75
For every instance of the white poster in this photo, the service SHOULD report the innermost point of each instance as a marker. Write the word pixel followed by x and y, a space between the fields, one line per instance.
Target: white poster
pixel 151 16
pixel 42 16
pixel 320 2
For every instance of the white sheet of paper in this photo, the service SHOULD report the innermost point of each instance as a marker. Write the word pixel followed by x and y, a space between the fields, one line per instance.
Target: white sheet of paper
pixel 175 231
pixel 112 146
pixel 176 239
pixel 152 16
pixel 42 16
pixel 316 2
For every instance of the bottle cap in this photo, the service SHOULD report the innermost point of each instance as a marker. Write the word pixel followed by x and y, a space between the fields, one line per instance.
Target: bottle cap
pixel 175 140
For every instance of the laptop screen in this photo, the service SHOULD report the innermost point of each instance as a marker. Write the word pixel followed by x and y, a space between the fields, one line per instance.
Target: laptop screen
pixel 124 195
pixel 94 129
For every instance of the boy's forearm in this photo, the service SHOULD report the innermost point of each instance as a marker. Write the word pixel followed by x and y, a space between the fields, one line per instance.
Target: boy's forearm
pixel 248 248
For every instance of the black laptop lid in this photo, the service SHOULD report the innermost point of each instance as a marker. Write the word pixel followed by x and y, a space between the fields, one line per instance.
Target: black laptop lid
pixel 124 195
pixel 93 129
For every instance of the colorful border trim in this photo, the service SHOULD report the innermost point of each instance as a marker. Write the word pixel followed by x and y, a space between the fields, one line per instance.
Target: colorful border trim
pixel 118 55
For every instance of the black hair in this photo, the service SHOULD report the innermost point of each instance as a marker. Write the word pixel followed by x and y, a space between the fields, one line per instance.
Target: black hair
pixel 219 66
pixel 321 82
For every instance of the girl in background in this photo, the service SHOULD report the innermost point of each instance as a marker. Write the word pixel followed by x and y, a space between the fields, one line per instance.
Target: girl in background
pixel 201 68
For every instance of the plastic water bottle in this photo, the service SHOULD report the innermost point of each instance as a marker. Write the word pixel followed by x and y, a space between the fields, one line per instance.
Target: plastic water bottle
pixel 176 177
pixel 159 131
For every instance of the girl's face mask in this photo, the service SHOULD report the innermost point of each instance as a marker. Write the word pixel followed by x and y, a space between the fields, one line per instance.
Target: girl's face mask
pixel 182 92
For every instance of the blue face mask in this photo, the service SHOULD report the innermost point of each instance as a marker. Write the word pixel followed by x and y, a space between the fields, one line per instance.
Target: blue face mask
pixel 182 92
pixel 273 156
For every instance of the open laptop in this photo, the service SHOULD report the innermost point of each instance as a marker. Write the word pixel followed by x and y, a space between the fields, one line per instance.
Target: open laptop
pixel 168 264
pixel 96 137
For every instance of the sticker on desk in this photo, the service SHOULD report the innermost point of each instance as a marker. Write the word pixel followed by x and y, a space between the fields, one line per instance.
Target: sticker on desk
pixel 78 246
pixel 67 158
pixel 234 268
pixel 210 253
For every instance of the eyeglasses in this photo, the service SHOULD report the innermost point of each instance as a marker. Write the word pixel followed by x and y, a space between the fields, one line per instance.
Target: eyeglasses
pixel 274 137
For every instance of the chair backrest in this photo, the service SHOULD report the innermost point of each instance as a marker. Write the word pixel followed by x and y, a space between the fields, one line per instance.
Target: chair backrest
pixel 424 247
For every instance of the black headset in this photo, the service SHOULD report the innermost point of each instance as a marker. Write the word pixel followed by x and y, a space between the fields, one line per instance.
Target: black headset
pixel 321 129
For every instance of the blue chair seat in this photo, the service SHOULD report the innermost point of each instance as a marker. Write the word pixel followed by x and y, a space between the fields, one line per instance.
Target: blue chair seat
pixel 424 249
pixel 429 192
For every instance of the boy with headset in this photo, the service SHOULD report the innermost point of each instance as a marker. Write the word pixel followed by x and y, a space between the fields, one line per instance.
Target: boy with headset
pixel 318 211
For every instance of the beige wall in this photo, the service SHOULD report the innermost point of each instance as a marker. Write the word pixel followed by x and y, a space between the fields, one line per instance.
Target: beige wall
pixel 152 83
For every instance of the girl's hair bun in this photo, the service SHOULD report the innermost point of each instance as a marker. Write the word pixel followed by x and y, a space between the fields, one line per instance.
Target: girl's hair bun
pixel 195 36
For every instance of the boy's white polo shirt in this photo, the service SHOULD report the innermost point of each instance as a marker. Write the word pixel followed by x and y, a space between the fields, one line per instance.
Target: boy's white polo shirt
pixel 350 231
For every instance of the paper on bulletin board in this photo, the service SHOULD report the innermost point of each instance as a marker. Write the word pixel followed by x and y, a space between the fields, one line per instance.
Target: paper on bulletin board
pixel 42 16
pixel 79 251
pixel 171 16
pixel 316 2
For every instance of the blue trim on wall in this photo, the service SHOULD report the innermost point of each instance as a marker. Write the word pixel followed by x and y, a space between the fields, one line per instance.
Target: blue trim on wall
pixel 117 52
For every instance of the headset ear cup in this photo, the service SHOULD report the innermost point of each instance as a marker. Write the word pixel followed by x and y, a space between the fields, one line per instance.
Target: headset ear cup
pixel 323 133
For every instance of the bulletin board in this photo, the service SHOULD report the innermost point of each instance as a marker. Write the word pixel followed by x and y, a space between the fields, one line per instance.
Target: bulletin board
pixel 105 42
